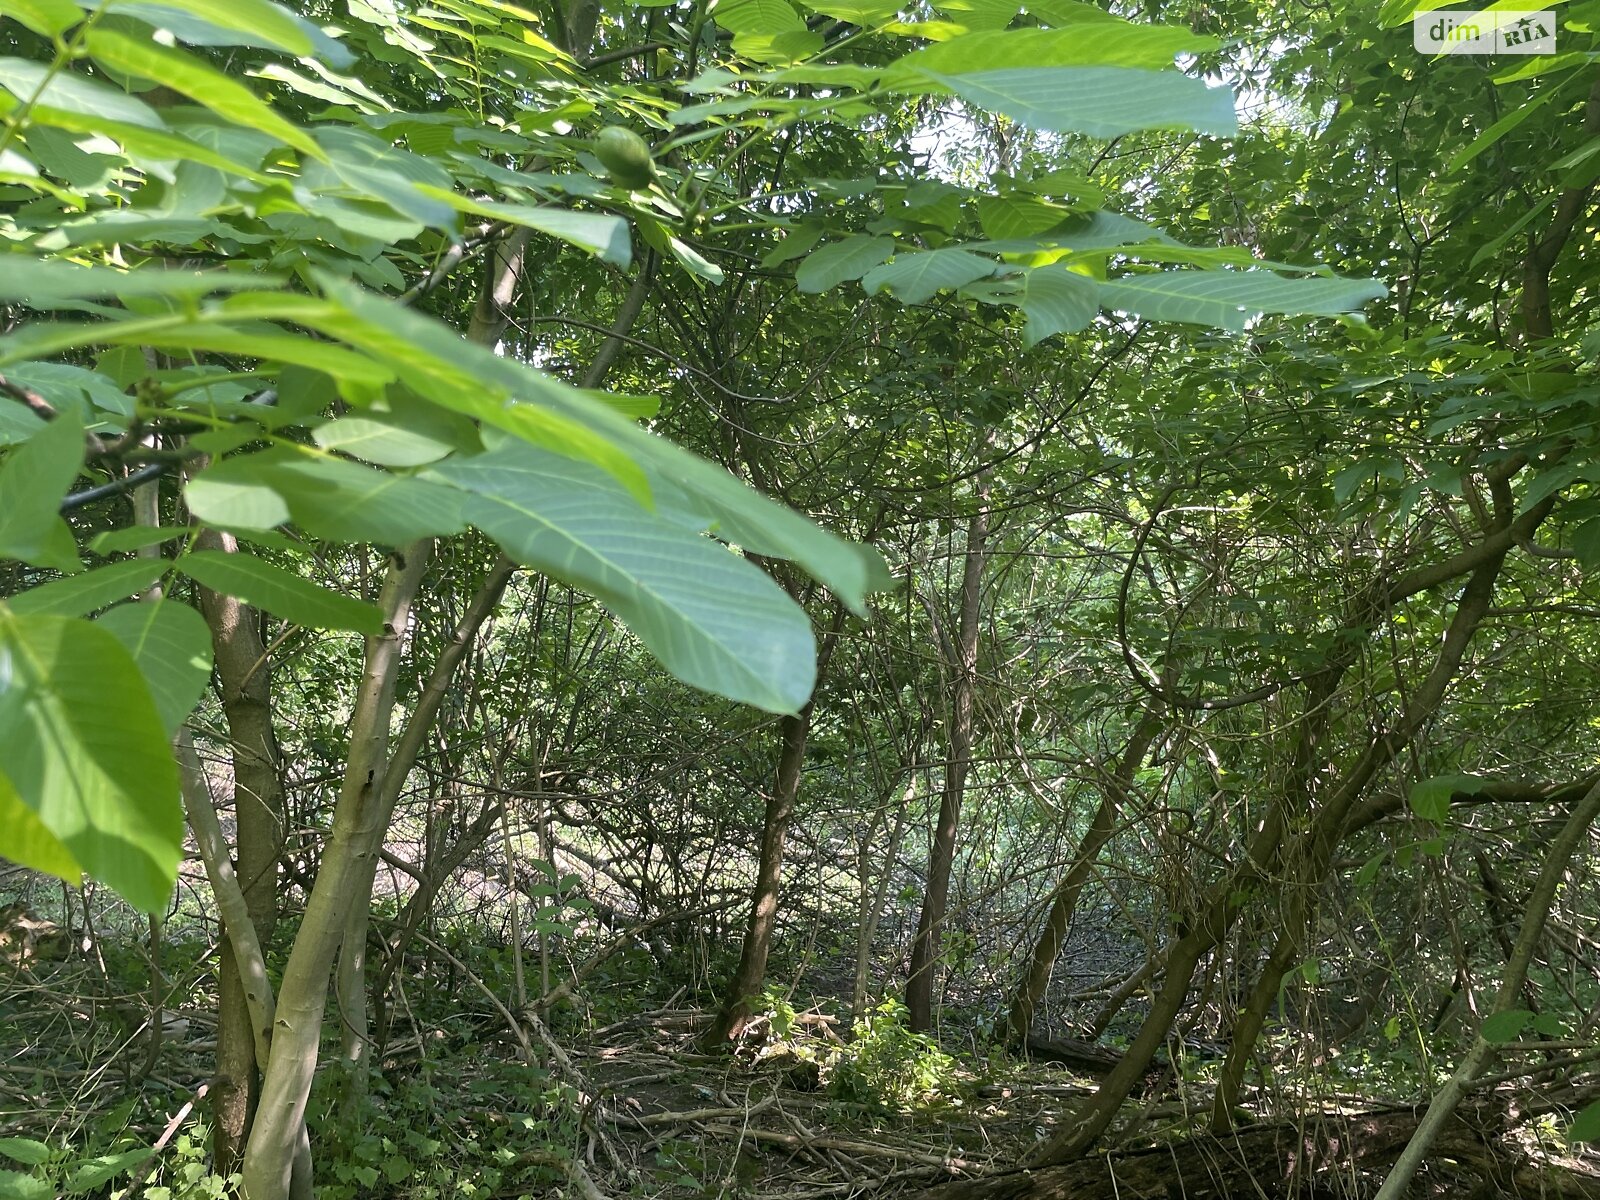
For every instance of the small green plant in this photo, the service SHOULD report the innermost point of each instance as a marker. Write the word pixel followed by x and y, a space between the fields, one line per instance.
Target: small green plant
pixel 66 1170
pixel 886 1065
pixel 185 1172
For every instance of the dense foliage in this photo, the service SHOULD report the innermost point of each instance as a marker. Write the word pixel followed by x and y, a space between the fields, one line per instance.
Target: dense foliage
pixel 1078 516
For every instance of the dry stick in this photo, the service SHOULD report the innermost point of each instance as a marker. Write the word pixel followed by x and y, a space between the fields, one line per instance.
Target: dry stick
pixel 1534 915
pixel 574 1170
pixel 875 1150
pixel 693 1114
pixel 143 1171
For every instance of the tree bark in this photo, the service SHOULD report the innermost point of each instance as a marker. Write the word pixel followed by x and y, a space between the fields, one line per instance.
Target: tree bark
pixel 244 678
pixel 746 983
pixel 930 925
pixel 279 1130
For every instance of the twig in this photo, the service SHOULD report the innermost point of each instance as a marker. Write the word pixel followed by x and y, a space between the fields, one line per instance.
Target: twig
pixel 511 1022
pixel 693 1114
pixel 149 1164
pixel 831 1143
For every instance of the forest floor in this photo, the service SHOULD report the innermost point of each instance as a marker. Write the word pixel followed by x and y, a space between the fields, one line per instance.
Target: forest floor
pixel 476 1102
pixel 666 1121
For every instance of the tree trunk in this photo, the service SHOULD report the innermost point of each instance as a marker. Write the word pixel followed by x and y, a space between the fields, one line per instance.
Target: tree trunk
pixel 1114 794
pixel 1308 861
pixel 1310 867
pixel 925 948
pixel 279 1130
pixel 734 1013
pixel 1445 1102
pixel 244 677
pixel 489 319
pixel 869 910
pixel 350 981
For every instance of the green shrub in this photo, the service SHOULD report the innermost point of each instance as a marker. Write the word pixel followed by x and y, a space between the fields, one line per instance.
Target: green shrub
pixel 888 1066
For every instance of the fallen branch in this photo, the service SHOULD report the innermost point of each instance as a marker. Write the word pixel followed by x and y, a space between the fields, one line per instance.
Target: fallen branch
pixel 874 1149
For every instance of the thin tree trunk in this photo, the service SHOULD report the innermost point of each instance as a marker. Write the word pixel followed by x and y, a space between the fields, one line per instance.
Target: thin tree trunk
pixel 925 948
pixel 734 1012
pixel 746 983
pixel 1535 914
pixel 1310 868
pixel 489 319
pixel 1064 902
pixel 279 1127
pixel 244 677
pixel 350 982
pixel 873 898
pixel 1084 1125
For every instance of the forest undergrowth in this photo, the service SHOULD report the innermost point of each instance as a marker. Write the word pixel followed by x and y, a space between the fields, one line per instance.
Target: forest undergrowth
pixel 602 1091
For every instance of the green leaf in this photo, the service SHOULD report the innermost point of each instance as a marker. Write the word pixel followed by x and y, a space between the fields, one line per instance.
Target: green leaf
pixel 1500 128
pixel 47 18
pixel 261 22
pixel 379 440
pixel 472 380
pixel 604 236
pixel 135 537
pixel 34 477
pixel 1102 102
pixel 757 16
pixel 1056 300
pixel 184 73
pixel 89 781
pixel 25 1150
pixel 296 600
pixel 1017 216
pixel 172 645
pixel 1507 1026
pixel 1585 1126
pixel 1549 1024
pixel 141 144
pixel 360 165
pixel 713 619
pixel 981 14
pixel 837 262
pixel 95 1172
pixel 81 390
pixel 337 499
pixel 79 595
pixel 1369 870
pixel 1231 299
pixel 1586 543
pixel 222 496
pixel 859 12
pixel 1430 798
pixel 1094 43
pixel 17 424
pixel 41 283
pixel 69 92
pixel 691 260
pixel 917 277
pixel 13 1184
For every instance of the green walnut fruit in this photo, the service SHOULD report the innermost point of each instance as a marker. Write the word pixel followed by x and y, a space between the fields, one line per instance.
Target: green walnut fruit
pixel 625 155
